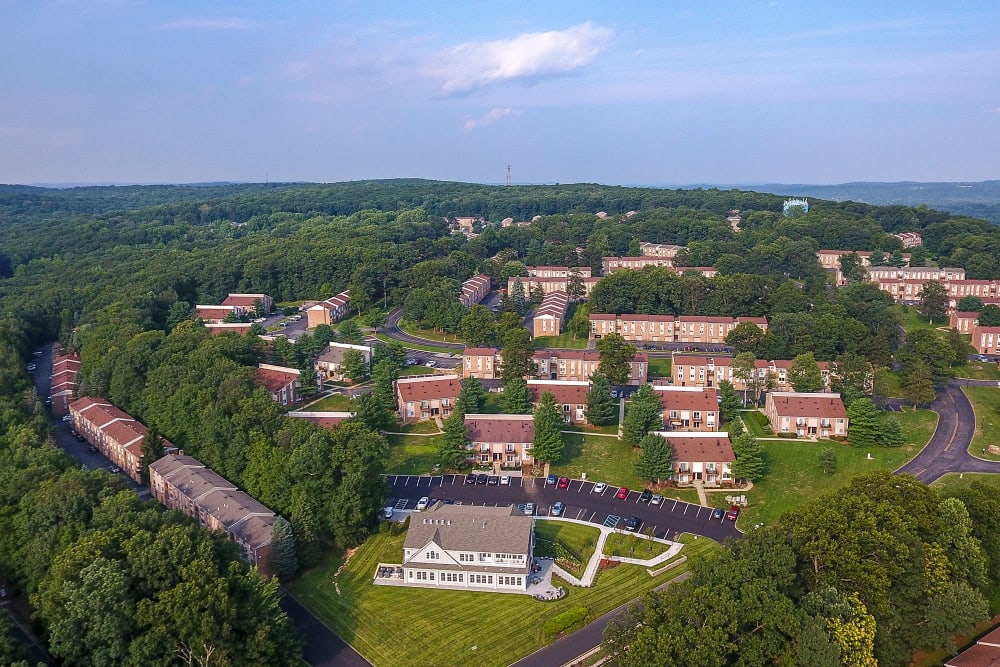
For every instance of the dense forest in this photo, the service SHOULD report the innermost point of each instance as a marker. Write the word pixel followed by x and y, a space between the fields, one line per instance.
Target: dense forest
pixel 114 272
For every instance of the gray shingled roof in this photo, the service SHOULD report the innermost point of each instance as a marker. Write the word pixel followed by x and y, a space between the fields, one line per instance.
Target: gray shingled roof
pixel 471 528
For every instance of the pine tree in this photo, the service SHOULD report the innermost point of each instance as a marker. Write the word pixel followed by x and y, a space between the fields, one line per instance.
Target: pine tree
pixel 518 299
pixel 452 452
pixel 731 404
pixel 641 416
pixel 892 432
pixel 284 557
pixel 152 451
pixel 574 286
pixel 548 444
pixel 518 358
pixel 655 459
pixel 828 460
pixel 537 294
pixel 602 409
pixel 515 397
pixel 863 427
pixel 749 462
pixel 472 398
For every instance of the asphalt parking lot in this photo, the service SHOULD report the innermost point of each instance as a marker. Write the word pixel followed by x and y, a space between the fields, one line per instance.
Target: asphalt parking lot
pixel 667 520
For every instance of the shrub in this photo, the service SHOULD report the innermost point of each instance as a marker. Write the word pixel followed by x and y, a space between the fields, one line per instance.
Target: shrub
pixel 569 620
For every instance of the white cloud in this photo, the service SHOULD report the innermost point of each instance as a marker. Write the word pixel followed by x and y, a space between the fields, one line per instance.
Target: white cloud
pixel 492 116
pixel 529 56
pixel 232 23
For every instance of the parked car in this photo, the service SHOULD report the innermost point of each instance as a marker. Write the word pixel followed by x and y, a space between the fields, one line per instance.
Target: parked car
pixel 632 523
pixel 387 512
pixel 482 479
pixel 492 480
pixel 600 487
pixel 48 401
pixel 564 482
pixel 646 496
pixel 656 499
pixel 423 503
pixel 622 493
pixel 93 450
pixel 718 513
pixel 431 364
pixel 529 509
pixel 79 436
pixel 733 513
pixel 67 418
pixel 114 470
pixel 411 362
pixel 505 480
pixel 557 509
pixel 470 478
pixel 551 479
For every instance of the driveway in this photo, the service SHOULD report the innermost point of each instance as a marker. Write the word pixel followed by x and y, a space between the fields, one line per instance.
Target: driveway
pixel 667 520
pixel 948 449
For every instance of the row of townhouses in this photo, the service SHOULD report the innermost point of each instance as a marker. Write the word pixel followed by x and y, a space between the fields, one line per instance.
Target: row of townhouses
pixel 116 434
pixel 484 363
pixel 181 482
pixel 669 328
pixel 699 370
pixel 241 305
pixel 550 315
pixel 63 382
pixel 474 290
pixel 330 311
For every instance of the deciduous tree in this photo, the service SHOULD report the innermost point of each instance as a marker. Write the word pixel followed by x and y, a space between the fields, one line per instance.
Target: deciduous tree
pixel 804 374
pixel 934 301
pixel 616 355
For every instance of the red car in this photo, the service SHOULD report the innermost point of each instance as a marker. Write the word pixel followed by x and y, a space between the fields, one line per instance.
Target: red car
pixel 622 493
pixel 564 482
pixel 733 513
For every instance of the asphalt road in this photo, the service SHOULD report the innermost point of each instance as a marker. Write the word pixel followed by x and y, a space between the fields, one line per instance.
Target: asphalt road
pixel 948 448
pixel 667 520
pixel 392 330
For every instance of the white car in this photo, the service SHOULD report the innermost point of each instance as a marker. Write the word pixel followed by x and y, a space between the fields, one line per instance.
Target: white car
pixel 431 364
pixel 387 512
pixel 423 503
pixel 529 509
pixel 599 487
pixel 67 418
pixel 656 500
pixel 505 480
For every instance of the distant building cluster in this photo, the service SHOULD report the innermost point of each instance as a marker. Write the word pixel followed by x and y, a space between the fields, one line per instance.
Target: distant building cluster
pixel 910 239
pixel 330 311
pixel 794 204
pixel 669 328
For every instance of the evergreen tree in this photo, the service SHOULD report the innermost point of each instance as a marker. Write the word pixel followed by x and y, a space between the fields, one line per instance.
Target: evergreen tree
pixel 574 286
pixel 452 452
pixel 749 462
pixel 515 397
pixel 547 446
pixel 152 451
pixel 350 332
pixel 850 377
pixel 284 557
pixel 892 432
pixel 989 316
pixel 518 299
pixel 602 409
pixel 828 460
pixel 958 344
pixel 731 404
pixel 616 355
pixel 579 324
pixel 370 411
pixel 655 459
pixel 969 304
pixel 918 387
pixel 537 294
pixel 385 372
pixel 642 415
pixel 863 427
pixel 308 382
pixel 472 398
pixel 804 374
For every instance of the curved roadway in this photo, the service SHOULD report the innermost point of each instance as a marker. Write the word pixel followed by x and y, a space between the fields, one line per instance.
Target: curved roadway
pixel 948 449
pixel 392 330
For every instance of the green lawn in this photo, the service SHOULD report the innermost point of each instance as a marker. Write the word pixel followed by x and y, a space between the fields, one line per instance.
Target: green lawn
pixel 918 426
pixel 631 546
pixel 574 538
pixel 978 370
pixel 396 627
pixel 954 480
pixel 986 403
pixel 566 340
pixel 412 454
pixel 660 367
pixel 416 346
pixel 428 426
pixel 794 475
pixel 331 403
pixel 418 369
pixel 428 333
pixel 607 430
pixel 912 320
pixel 756 424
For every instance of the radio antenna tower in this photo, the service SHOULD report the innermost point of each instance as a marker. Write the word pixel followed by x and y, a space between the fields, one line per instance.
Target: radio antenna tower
pixel 508 174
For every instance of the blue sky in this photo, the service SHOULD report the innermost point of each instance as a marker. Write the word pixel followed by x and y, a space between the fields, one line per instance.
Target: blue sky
pixel 644 93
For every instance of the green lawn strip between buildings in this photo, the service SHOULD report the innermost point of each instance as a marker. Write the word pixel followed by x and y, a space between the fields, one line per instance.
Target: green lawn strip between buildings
pixel 660 367
pixel 416 346
pixel 397 626
pixel 978 370
pixel 412 454
pixel 566 340
pixel 331 403
pixel 573 538
pixel 756 424
pixel 986 402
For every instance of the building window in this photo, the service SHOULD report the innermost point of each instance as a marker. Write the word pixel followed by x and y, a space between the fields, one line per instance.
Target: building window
pixel 433 555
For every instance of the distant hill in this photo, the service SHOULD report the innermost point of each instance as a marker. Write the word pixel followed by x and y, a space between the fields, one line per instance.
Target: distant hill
pixel 979 200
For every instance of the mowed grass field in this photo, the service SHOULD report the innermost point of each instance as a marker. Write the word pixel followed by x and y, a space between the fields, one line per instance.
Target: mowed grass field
pixel 400 627
pixel 794 475
pixel 986 403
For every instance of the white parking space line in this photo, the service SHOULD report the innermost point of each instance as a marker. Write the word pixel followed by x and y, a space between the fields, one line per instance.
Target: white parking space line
pixel 675 505
pixel 686 507
pixel 592 515
pixel 699 512
pixel 407 482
